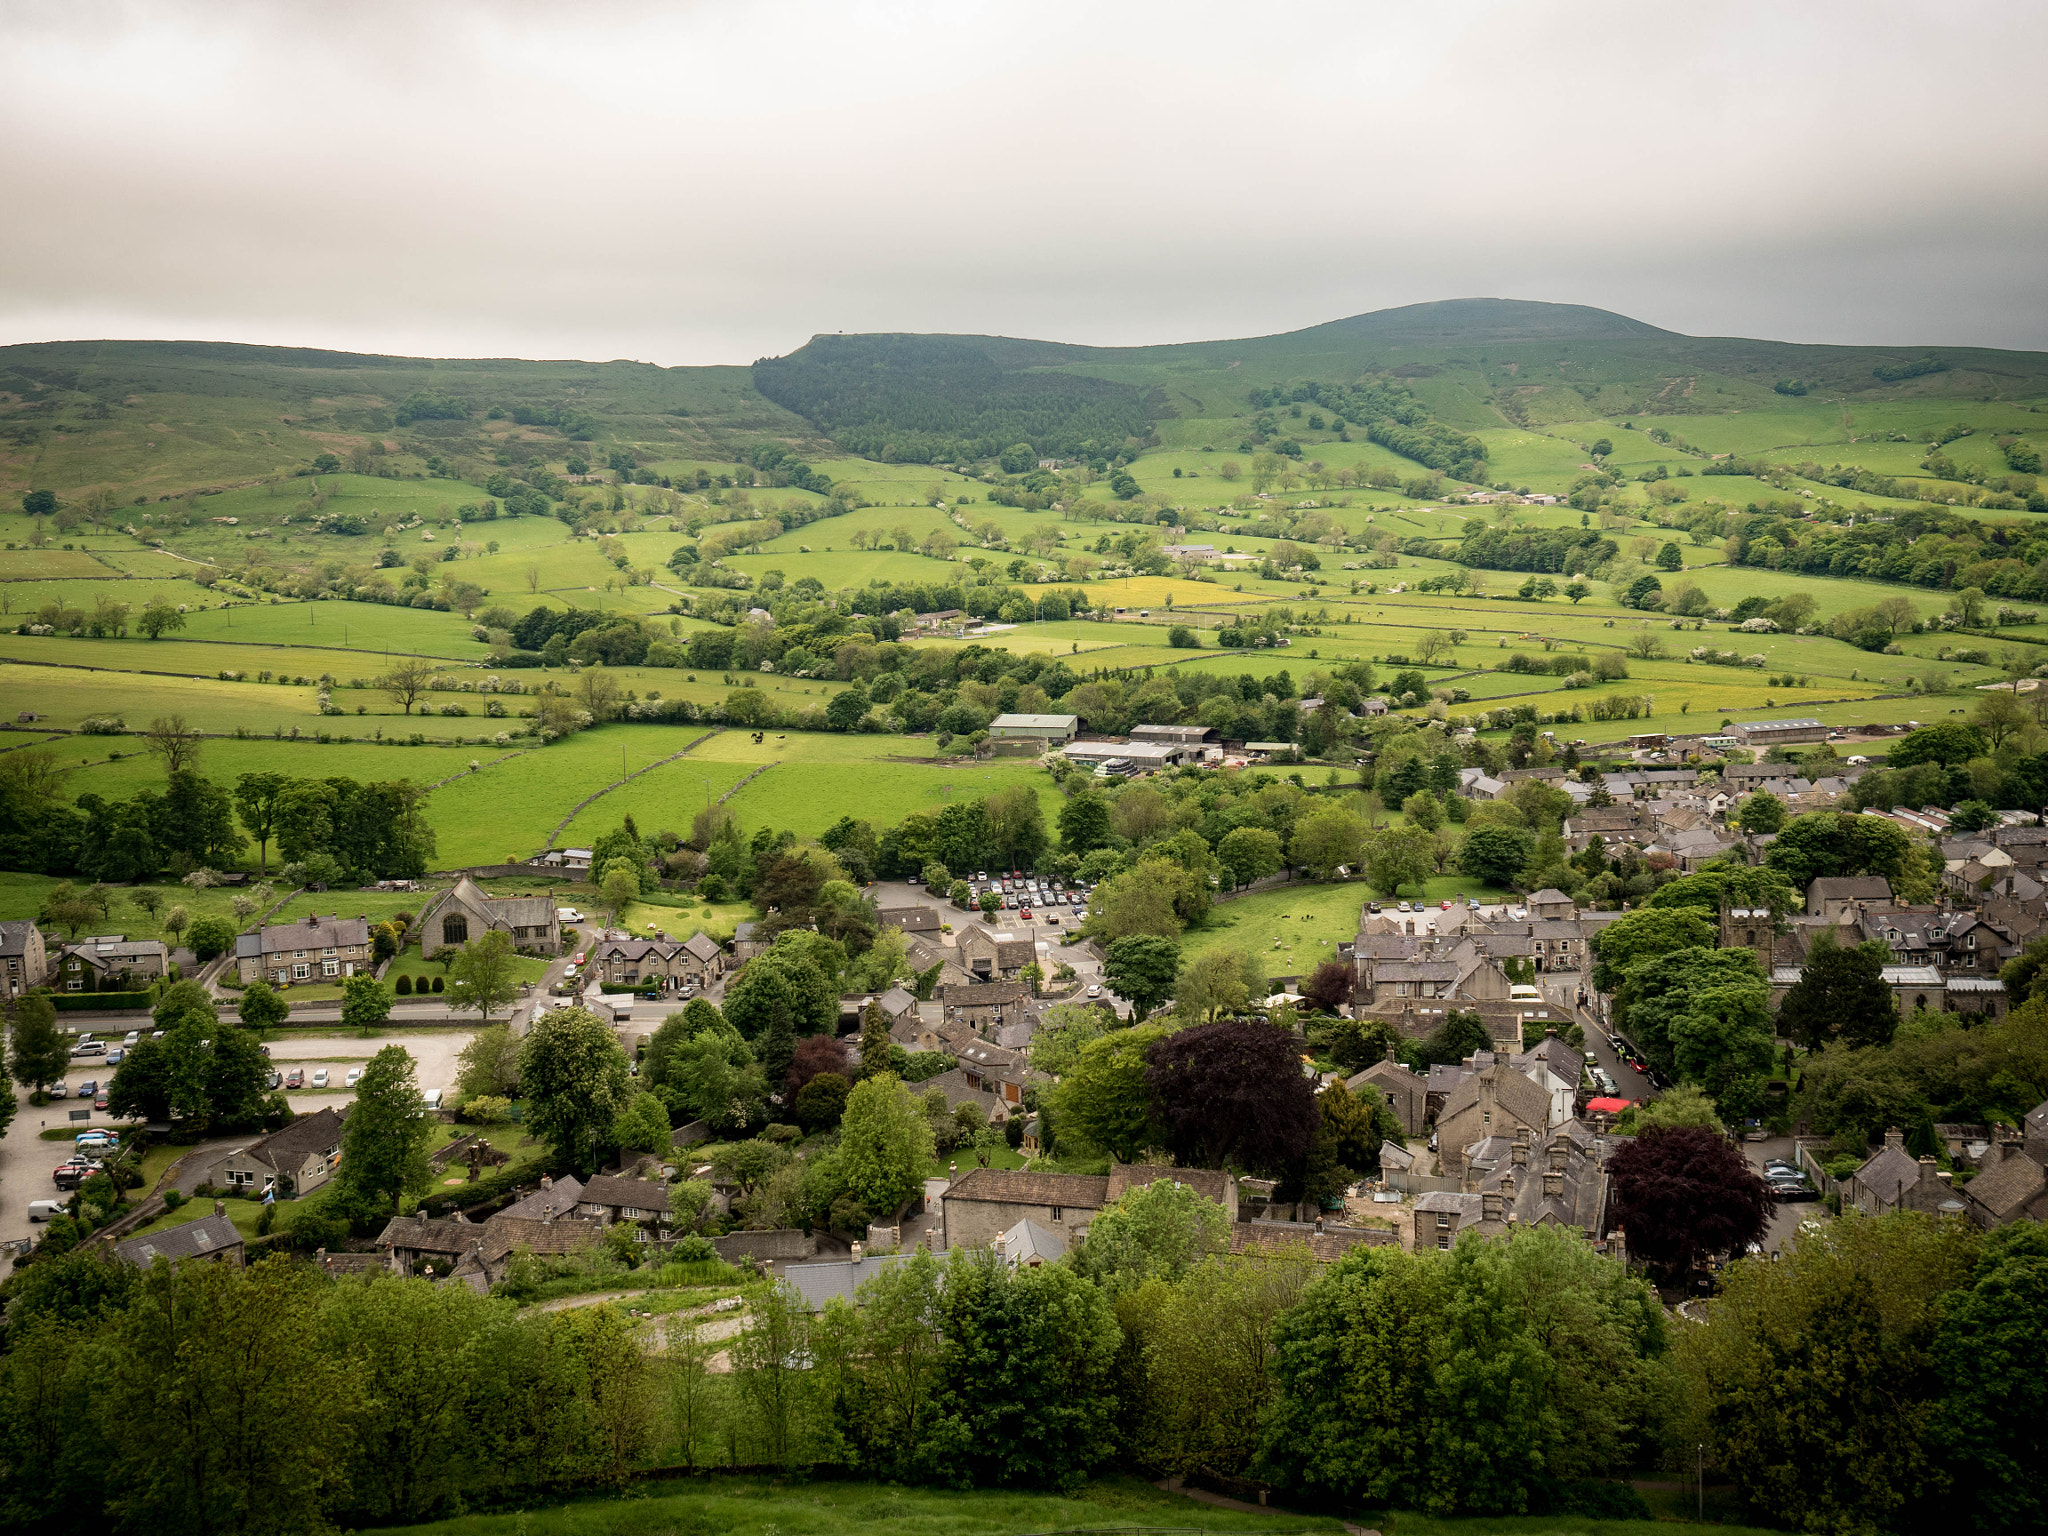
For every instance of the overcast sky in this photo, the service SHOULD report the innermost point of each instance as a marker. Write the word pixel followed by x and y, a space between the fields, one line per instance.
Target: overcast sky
pixel 699 183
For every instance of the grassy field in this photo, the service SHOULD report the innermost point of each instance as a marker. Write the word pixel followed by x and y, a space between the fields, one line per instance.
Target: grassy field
pixel 1294 928
pixel 744 1506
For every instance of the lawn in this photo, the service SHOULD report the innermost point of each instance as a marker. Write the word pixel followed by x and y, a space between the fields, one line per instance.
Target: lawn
pixel 747 1507
pixel 1294 928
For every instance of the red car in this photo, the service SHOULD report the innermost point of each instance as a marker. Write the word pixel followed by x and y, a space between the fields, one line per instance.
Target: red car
pixel 297 1079
pixel 1025 913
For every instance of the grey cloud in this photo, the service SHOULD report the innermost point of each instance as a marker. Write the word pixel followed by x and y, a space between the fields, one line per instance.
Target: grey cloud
pixel 706 183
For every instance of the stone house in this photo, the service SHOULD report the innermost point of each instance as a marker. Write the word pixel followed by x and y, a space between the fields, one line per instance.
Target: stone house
pixel 212 1239
pixel 897 1006
pixel 479 1253
pixel 993 955
pixel 698 961
pixel 295 1159
pixel 465 912
pixel 1495 1100
pixel 110 963
pixel 994 1069
pixel 2012 1180
pixel 984 1007
pixel 910 920
pixel 608 1199
pixel 1402 1091
pixel 749 940
pixel 1837 897
pixel 318 949
pixel 1550 902
pixel 24 961
pixel 984 1203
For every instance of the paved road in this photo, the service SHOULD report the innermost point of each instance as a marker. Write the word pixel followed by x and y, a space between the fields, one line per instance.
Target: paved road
pixel 1786 1219
pixel 1631 1084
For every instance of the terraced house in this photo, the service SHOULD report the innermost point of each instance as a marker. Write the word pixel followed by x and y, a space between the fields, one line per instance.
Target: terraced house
pixel 318 949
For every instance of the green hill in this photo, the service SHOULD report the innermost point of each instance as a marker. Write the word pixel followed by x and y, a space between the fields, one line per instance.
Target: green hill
pixel 153 420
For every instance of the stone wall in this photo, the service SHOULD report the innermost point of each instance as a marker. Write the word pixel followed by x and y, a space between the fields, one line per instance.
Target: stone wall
pixel 783 1244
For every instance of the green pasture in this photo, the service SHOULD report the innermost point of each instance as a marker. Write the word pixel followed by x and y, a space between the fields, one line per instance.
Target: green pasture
pixel 64 696
pixel 20 599
pixel 1294 928
pixel 506 809
pixel 808 797
pixel 224 761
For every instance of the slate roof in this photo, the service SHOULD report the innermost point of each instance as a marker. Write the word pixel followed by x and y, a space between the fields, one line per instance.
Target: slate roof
pixel 702 946
pixel 840 1279
pixel 194 1240
pixel 2005 1190
pixel 14 937
pixel 315 933
pixel 1512 1093
pixel 1889 1173
pixel 1328 1245
pixel 1387 946
pixel 289 1145
pixel 512 911
pixel 1027 1241
pixel 1416 970
pixel 1010 1186
pixel 559 1200
pixel 633 1194
pixel 909 919
pixel 986 994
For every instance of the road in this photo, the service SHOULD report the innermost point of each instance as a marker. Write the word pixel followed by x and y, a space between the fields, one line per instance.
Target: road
pixel 1631 1084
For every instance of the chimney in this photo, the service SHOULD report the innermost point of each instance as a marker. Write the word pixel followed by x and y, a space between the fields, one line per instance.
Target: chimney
pixel 1550 1031
pixel 1894 1139
pixel 1521 1153
pixel 1553 1185
pixel 1319 1226
pixel 547 1181
pixel 1489 1204
pixel 856 1253
pixel 220 1207
pixel 1557 1157
pixel 1946 1177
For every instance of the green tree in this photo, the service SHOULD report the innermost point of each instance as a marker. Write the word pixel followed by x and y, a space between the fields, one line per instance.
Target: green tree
pixel 1840 995
pixel 1218 981
pixel 1157 897
pixel 1495 855
pixel 385 1138
pixel 621 885
pixel 885 1142
pixel 573 1075
pixel 1105 1099
pixel 159 618
pixel 483 975
pixel 1642 934
pixel 642 1125
pixel 211 937
pixel 1703 1016
pixel 1991 1359
pixel 1325 839
pixel 201 1446
pixel 365 1005
pixel 1826 844
pixel 261 1008
pixel 1814 1374
pixel 1141 968
pixel 1761 812
pixel 1249 853
pixel 784 978
pixel 1160 1230
pixel 874 1041
pixel 1399 856
pixel 1062 1031
pixel 38 1052
pixel 488 1066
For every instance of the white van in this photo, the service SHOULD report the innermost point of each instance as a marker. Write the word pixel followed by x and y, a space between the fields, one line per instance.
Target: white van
pixel 433 1098
pixel 45 1210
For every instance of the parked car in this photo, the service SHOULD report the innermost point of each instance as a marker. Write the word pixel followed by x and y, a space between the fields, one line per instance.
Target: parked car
pixel 89 1048
pixel 1025 913
pixel 88 1088
pixel 297 1079
pixel 46 1210
pixel 1094 990
pixel 100 1101
pixel 275 1081
pixel 355 1075
pixel 320 1078
pixel 116 1056
pixel 133 1037
pixel 1447 904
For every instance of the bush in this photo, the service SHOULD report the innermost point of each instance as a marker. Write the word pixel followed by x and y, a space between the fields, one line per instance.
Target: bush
pixel 403 986
pixel 173 1198
pixel 693 1250
pixel 439 985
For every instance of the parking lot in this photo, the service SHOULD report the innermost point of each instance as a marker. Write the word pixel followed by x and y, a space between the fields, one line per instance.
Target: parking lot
pixel 26 1160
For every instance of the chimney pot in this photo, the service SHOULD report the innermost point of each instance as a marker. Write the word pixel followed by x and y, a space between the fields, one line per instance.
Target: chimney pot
pixel 1553 1184
pixel 1489 1205
pixel 856 1253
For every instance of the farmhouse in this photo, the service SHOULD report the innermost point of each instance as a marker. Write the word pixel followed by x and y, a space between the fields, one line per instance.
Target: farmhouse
pixel 211 1238
pixel 318 949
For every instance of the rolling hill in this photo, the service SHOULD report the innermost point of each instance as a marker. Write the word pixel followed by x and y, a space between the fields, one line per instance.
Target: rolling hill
pixel 161 419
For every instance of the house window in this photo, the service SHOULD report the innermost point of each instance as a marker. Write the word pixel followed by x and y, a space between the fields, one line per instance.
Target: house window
pixel 298 954
pixel 301 972
pixel 74 985
pixel 330 967
pixel 1443 1220
pixel 455 929
pixel 1443 1240
pixel 1059 1213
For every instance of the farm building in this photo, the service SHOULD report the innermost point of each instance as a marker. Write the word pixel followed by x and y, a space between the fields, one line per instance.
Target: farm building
pixel 1777 733
pixel 1046 730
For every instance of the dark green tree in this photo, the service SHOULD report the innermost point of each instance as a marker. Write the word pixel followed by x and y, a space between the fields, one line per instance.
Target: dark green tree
pixel 1840 996
pixel 1141 969
pixel 385 1138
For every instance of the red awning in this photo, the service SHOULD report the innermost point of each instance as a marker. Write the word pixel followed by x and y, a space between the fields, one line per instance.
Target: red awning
pixel 1608 1106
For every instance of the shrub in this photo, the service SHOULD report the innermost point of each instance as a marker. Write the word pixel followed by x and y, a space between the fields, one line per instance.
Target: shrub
pixel 693 1250
pixel 439 985
pixel 173 1198
pixel 403 986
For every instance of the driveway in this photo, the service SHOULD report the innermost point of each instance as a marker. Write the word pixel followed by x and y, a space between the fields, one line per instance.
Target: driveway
pixel 1785 1219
